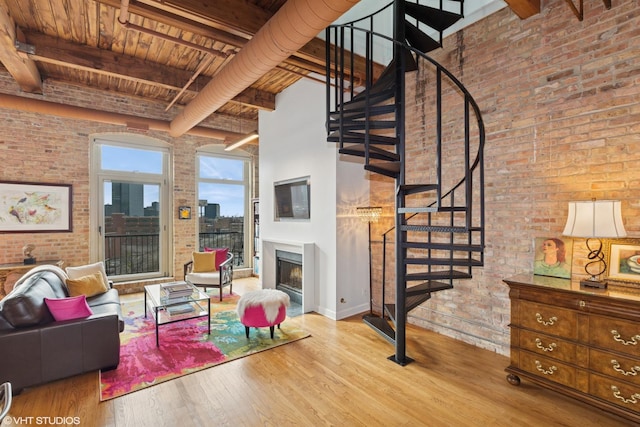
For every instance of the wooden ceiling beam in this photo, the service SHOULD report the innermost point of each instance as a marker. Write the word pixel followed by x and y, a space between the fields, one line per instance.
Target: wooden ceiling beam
pixel 524 8
pixel 21 68
pixel 94 60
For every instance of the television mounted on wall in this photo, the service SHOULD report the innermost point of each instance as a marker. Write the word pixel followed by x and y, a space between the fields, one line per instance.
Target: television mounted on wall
pixel 293 199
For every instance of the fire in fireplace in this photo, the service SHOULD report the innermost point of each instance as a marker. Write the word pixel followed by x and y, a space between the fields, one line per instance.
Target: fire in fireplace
pixel 289 274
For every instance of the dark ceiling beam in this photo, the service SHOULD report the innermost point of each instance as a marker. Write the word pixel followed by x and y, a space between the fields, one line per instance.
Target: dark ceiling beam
pixel 70 55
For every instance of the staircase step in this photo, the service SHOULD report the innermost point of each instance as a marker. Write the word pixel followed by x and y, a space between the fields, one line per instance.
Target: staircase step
pixel 435 18
pixel 416 188
pixel 359 102
pixel 427 209
pixel 428 288
pixel 461 247
pixel 438 275
pixel 374 153
pixel 418 39
pixel 358 137
pixel 361 125
pixel 464 262
pixel 391 169
pixel 381 326
pixel 434 228
pixel 375 110
pixel 411 302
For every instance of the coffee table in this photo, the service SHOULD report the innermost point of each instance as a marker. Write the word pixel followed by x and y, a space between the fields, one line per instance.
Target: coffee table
pixel 165 310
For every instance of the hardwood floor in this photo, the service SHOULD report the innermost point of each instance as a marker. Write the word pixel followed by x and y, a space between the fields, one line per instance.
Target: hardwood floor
pixel 338 376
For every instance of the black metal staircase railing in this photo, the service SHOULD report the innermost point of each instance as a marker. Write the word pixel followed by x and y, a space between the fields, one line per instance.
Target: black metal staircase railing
pixel 439 226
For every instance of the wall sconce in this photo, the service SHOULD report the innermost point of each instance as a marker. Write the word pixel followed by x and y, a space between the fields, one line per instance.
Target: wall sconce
pixel 250 137
pixel 369 214
pixel 595 220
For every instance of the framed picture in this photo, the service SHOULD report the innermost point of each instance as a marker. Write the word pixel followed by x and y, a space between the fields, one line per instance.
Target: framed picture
pixel 623 260
pixel 553 257
pixel 184 212
pixel 28 207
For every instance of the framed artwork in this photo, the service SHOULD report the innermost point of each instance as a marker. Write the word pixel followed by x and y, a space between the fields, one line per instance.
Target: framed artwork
pixel 184 212
pixel 553 257
pixel 28 207
pixel 623 260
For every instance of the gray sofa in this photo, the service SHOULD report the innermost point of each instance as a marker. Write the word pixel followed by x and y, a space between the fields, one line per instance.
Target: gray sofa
pixel 35 349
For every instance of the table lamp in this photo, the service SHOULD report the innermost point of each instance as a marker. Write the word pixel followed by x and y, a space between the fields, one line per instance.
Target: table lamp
pixel 595 220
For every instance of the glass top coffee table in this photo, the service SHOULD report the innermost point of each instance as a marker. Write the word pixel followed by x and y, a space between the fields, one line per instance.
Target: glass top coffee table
pixel 175 302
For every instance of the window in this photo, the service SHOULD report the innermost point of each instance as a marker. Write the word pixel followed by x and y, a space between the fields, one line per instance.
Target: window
pixel 131 220
pixel 223 203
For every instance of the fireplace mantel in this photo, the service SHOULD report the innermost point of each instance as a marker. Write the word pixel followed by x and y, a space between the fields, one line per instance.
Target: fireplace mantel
pixel 268 267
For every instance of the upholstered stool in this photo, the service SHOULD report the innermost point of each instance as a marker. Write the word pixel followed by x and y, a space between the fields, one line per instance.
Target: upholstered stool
pixel 262 308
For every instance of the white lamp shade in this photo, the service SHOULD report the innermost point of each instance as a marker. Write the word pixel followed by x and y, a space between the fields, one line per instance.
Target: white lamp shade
pixel 601 219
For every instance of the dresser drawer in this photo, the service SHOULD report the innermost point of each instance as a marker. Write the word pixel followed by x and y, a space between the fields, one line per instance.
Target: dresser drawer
pixel 548 319
pixel 617 392
pixel 548 346
pixel 615 334
pixel 548 368
pixel 616 366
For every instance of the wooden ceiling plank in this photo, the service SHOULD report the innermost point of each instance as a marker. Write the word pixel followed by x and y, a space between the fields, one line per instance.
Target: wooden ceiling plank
pixel 243 21
pixel 95 60
pixel 311 57
pixel 21 68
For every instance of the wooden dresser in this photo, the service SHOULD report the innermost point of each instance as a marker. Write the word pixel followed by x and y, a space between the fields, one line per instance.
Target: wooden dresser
pixel 582 343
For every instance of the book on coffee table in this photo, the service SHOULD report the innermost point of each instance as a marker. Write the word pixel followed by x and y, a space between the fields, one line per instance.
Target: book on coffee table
pixel 180 309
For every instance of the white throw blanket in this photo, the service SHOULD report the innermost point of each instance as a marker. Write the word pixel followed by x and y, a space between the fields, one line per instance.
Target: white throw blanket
pixel 269 299
pixel 45 267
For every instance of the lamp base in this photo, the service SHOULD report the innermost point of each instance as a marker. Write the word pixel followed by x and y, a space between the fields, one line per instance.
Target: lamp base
pixel 593 284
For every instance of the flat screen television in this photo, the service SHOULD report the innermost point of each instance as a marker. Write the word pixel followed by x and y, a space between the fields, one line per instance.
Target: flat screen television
pixel 293 199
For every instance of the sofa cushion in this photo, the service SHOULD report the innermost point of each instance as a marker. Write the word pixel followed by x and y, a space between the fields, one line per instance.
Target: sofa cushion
pixel 68 308
pixel 89 285
pixel 85 270
pixel 25 306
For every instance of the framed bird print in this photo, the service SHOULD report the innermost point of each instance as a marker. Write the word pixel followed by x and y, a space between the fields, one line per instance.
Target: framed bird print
pixel 29 207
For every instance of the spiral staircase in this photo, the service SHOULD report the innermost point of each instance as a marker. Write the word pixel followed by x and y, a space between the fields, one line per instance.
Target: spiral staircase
pixel 439 226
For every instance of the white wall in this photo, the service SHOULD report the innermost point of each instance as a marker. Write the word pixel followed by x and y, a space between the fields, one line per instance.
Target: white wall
pixel 293 144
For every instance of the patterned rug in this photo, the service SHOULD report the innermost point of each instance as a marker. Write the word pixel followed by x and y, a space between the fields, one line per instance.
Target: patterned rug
pixel 185 346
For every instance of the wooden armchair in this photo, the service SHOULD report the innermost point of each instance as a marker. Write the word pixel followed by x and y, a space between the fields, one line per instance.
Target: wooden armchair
pixel 220 278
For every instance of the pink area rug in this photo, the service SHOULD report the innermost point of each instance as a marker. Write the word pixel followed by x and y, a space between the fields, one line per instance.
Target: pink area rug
pixel 185 346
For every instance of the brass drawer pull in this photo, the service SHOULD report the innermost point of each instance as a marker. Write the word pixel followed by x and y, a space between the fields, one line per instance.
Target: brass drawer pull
pixel 551 346
pixel 633 399
pixel 616 366
pixel 549 371
pixel 634 340
pixel 549 322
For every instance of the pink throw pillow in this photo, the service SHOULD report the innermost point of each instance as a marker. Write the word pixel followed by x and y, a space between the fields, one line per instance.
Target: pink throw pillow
pixel 221 255
pixel 68 308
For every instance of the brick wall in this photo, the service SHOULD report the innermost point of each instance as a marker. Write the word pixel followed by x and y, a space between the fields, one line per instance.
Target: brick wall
pixel 50 149
pixel 560 100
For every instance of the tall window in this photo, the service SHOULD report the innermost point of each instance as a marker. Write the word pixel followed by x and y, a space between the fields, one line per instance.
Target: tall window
pixel 223 200
pixel 131 221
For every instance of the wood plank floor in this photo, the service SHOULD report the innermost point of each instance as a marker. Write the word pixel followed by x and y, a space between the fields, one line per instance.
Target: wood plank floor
pixel 339 376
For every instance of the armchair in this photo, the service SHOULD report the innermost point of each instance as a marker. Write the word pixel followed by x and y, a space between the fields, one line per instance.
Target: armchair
pixel 220 278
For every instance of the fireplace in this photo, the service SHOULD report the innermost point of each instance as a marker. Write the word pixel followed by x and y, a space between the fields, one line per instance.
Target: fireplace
pixel 289 274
